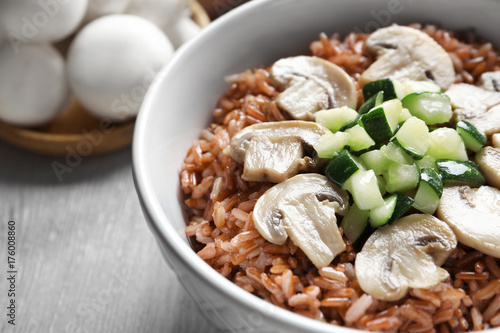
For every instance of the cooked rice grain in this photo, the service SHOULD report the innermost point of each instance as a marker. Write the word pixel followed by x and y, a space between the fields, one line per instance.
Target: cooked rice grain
pixel 220 205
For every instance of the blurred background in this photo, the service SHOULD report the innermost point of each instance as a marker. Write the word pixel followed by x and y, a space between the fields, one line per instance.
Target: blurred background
pixel 216 8
pixel 72 77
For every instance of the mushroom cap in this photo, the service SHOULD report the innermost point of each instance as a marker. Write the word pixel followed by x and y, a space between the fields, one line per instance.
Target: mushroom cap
pixel 407 53
pixel 479 106
pixel 41 21
pixel 487 122
pixel 160 12
pixel 309 132
pixel 495 140
pixel 474 216
pixel 490 81
pixel 311 84
pixel 182 31
pixel 112 62
pixel 99 8
pixel 276 151
pixel 403 255
pixel 303 208
pixel 474 99
pixel 33 84
pixel 488 160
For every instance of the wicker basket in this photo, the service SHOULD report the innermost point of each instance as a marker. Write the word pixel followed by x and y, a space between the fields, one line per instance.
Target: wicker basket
pixel 69 132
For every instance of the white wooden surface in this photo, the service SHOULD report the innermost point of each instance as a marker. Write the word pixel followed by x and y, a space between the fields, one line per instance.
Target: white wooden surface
pixel 86 260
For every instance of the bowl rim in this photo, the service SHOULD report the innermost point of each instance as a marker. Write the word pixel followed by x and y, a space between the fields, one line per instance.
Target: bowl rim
pixel 159 224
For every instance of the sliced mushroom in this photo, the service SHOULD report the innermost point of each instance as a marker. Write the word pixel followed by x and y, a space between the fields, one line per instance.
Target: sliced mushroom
pixel 488 122
pixel 495 140
pixel 488 159
pixel 407 53
pixel 311 84
pixel 479 106
pixel 474 216
pixel 303 208
pixel 276 151
pixel 406 254
pixel 274 158
pixel 490 81
pixel 472 98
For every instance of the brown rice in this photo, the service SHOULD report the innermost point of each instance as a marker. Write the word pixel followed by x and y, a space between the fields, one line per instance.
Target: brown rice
pixel 220 205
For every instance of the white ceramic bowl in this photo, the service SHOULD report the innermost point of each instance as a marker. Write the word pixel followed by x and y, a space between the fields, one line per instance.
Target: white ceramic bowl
pixel 180 103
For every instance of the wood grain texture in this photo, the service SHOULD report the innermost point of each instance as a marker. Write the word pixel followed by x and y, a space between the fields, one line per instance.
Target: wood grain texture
pixel 86 259
pixel 70 131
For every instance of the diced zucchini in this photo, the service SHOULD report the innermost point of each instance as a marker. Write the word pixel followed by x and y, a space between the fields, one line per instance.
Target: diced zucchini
pixel 394 206
pixel 342 167
pixel 466 172
pixel 359 139
pixel 429 191
pixel 433 108
pixel 427 162
pixel 404 88
pixel 413 137
pixel 373 88
pixel 474 139
pixel 402 177
pixel 382 184
pixel 403 203
pixel 445 143
pixel 329 144
pixel 434 180
pixel 375 160
pixel 372 102
pixel 396 154
pixel 426 200
pixel 381 123
pixel 356 227
pixel 404 115
pixel 334 119
pixel 377 125
pixel 350 124
pixel 363 186
pixel 380 215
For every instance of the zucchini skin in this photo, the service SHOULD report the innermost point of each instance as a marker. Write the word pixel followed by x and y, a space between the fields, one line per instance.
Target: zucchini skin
pixel 385 85
pixel 466 172
pixel 340 168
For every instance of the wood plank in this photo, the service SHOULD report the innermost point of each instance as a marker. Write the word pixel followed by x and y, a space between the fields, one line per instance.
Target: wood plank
pixel 86 259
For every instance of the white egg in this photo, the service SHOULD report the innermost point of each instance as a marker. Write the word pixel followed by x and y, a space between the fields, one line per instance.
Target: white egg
pixel 182 31
pixel 33 85
pixel 112 62
pixel 40 20
pixel 160 12
pixel 98 8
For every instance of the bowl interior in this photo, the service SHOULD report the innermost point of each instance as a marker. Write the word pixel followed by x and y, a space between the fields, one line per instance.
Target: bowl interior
pixel 180 102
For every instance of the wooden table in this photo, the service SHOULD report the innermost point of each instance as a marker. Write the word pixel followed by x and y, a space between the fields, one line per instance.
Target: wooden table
pixel 85 259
